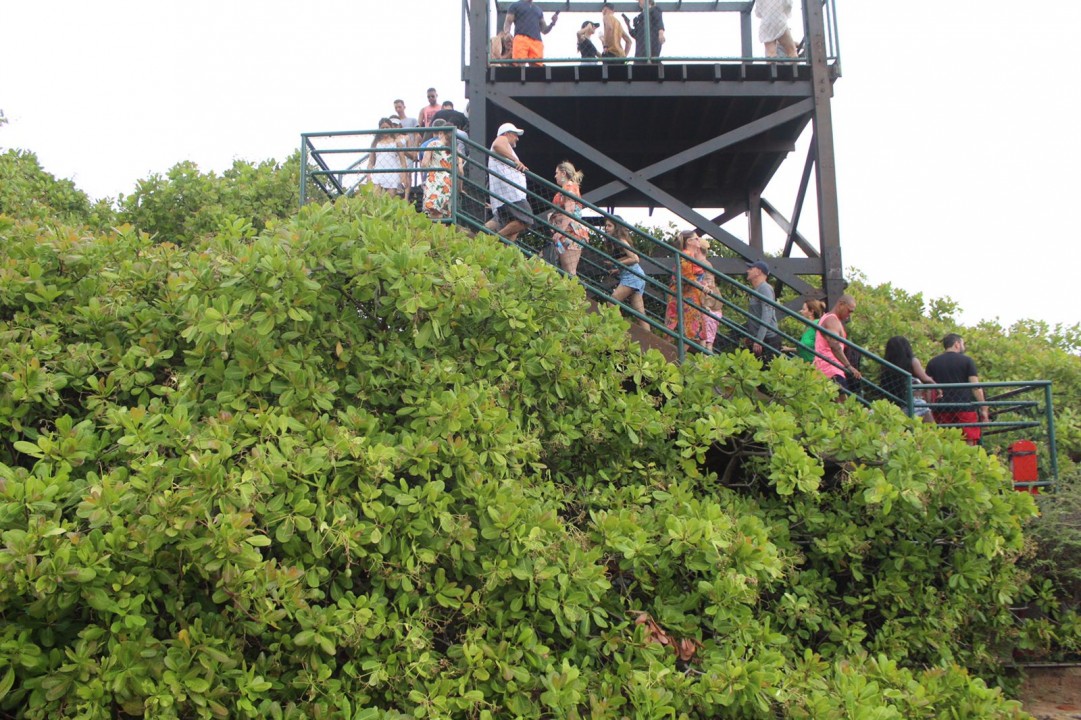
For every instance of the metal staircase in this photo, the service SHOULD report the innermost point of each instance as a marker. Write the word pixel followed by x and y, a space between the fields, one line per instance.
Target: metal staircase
pixel 1016 407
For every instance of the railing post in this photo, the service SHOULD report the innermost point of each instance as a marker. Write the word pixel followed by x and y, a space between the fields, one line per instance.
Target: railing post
pixel 680 340
pixel 303 170
pixel 1049 410
pixel 455 180
pixel 746 42
pixel 910 399
pixel 648 39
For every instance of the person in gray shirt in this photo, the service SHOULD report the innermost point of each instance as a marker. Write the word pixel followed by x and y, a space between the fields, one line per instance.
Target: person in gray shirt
pixel 762 323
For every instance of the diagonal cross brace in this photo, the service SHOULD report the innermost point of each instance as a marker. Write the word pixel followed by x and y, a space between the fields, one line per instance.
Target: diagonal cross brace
pixel 745 132
pixel 793 236
pixel 644 186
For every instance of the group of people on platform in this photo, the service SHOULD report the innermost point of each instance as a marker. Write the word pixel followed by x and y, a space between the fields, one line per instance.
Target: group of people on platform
pixel 417 164
pixel 522 36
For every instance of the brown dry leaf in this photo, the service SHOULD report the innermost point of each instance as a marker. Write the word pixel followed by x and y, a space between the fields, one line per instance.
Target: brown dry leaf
pixel 684 648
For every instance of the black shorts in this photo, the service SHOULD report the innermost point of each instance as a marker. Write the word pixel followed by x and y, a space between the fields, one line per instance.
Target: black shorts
pixel 518 210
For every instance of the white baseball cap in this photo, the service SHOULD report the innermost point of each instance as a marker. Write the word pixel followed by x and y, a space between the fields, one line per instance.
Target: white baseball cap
pixel 509 127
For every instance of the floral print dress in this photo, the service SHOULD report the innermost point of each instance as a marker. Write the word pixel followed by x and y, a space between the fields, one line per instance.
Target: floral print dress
pixel 438 185
pixel 694 326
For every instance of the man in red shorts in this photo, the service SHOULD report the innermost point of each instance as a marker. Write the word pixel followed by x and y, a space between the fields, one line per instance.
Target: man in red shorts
pixel 528 22
pixel 953 366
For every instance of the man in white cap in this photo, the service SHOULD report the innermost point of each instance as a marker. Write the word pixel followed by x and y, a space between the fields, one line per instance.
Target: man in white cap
pixel 511 213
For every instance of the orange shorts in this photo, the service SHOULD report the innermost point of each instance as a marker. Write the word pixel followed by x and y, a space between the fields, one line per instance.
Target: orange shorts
pixel 526 48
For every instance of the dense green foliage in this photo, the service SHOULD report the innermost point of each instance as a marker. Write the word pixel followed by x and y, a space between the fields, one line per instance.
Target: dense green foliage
pixel 28 191
pixel 357 465
pixel 186 203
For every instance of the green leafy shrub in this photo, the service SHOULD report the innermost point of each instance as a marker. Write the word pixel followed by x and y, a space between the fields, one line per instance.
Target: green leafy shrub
pixel 186 204
pixel 27 191
pixel 356 465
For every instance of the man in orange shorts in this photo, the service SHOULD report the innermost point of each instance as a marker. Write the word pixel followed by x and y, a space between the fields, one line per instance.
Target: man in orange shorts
pixel 528 22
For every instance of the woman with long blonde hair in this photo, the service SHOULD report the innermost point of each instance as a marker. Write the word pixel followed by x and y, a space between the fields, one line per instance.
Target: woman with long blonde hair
pixel 570 232
pixel 691 277
pixel 710 300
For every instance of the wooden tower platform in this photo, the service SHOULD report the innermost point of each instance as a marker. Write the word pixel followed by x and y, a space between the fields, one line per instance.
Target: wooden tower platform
pixel 684 134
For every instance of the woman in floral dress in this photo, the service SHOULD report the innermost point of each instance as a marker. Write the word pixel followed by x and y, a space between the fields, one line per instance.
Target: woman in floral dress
pixel 694 326
pixel 438 183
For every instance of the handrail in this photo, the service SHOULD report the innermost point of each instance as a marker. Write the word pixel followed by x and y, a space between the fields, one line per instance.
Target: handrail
pixel 596 257
pixel 678 334
pixel 1002 404
pixel 680 337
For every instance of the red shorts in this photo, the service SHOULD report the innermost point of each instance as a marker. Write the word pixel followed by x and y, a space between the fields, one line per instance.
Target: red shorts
pixel 526 48
pixel 951 417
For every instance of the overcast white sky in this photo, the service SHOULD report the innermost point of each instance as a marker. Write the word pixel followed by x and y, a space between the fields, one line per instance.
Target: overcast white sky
pixel 955 122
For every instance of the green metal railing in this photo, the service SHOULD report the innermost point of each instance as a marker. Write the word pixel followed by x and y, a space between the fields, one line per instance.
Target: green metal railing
pixel 685 294
pixel 1016 411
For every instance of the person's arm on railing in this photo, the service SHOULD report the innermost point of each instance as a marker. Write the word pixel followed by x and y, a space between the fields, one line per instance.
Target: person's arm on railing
pixel 503 149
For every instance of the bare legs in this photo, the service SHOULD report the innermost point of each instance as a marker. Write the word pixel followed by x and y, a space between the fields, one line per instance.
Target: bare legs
pixel 572 253
pixel 786 43
pixel 622 293
pixel 509 232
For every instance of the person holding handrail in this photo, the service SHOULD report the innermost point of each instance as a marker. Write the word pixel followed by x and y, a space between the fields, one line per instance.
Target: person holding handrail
pixel 528 22
pixel 511 212
pixel 953 366
pixel 387 155
pixel 831 359
pixel 710 300
pixel 632 280
pixel 813 310
pixel 438 181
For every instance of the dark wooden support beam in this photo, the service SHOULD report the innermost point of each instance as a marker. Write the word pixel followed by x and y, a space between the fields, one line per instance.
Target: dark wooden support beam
pixel 794 238
pixel 730 213
pixel 476 83
pixel 609 89
pixel 829 226
pixel 754 219
pixel 801 196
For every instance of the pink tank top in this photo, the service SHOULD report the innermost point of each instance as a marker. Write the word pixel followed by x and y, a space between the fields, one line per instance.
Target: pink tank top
pixel 822 347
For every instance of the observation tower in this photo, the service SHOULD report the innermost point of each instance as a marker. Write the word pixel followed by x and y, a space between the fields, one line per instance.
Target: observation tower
pixel 699 136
